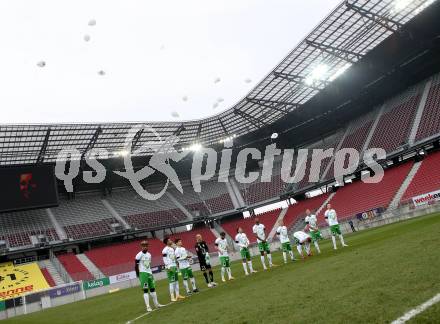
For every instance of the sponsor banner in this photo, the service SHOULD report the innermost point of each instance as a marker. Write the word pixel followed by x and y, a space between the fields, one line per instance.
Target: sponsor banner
pixel 91 284
pixel 64 291
pixel 370 214
pixel 18 280
pixel 14 302
pixel 426 198
pixel 122 277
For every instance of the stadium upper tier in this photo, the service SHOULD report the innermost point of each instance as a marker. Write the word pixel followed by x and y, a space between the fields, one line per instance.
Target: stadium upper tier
pixel 344 37
pixel 408 119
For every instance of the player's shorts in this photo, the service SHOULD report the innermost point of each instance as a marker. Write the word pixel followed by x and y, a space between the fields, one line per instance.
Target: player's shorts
pixel 335 229
pixel 172 275
pixel 147 280
pixel 264 247
pixel 315 235
pixel 187 273
pixel 224 261
pixel 286 246
pixel 245 254
pixel 204 265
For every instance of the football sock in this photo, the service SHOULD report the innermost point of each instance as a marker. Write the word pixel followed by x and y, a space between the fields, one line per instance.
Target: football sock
pixel 334 242
pixel 292 257
pixel 317 247
pixel 206 277
pixel 285 257
pixel 229 272
pixel 147 300
pixel 342 239
pixel 269 257
pixel 211 275
pixel 307 247
pixel 223 273
pixel 171 290
pixel 185 284
pixel 193 283
pixel 250 266
pixel 154 298
pixel 262 261
pixel 298 247
pixel 245 268
pixel 176 288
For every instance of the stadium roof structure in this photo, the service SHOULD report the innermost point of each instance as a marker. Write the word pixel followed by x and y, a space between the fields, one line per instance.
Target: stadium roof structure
pixel 349 32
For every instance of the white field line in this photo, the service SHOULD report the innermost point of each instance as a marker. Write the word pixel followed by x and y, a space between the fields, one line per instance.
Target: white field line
pixel 143 315
pixel 415 311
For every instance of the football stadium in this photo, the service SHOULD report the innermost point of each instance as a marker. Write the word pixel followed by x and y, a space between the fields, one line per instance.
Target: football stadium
pixel 226 162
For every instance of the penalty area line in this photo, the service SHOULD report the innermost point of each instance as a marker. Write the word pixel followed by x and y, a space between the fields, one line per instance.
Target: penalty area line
pixel 145 314
pixel 417 310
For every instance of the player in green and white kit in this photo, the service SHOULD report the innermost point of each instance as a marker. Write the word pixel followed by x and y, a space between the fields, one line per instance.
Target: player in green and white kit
pixel 182 258
pixel 283 235
pixel 145 275
pixel 312 226
pixel 260 233
pixel 302 240
pixel 222 247
pixel 332 220
pixel 169 260
pixel 243 242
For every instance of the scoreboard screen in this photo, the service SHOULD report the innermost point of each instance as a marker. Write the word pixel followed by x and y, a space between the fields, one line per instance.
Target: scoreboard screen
pixel 27 187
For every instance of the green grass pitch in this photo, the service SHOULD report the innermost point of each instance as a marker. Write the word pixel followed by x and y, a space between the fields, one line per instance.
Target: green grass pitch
pixel 382 274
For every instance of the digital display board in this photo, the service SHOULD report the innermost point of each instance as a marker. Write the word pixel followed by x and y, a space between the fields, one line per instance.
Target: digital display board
pixel 27 187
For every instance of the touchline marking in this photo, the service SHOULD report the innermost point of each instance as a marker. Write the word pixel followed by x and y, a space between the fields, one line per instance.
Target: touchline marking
pixel 415 311
pixel 148 313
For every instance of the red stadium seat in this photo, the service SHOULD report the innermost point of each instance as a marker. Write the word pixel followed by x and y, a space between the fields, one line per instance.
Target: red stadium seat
pixel 119 258
pixel 74 267
pixel 359 197
pixel 426 179
pixel 268 219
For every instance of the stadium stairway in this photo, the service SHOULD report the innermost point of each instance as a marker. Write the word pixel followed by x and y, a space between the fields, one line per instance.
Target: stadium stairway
pixel 426 179
pixel 51 271
pixel 91 267
pixel 373 129
pixel 268 219
pixel 74 267
pixel 409 178
pixel 179 205
pixel 58 228
pixel 236 189
pixel 274 228
pixel 359 197
pixel 115 214
pixel 232 194
pixel 419 114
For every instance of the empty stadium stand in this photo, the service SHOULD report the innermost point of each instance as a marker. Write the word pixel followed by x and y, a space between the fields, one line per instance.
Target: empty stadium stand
pixel 141 213
pixel 84 217
pixel 74 267
pixel 297 211
pixel 355 138
pixel 119 258
pixel 426 179
pixel 189 240
pixel 395 124
pixel 216 197
pixel 268 219
pixel 16 228
pixel 430 122
pixel 359 197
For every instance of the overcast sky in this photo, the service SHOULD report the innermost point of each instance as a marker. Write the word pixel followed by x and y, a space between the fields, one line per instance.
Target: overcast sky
pixel 152 53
